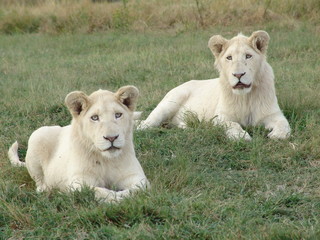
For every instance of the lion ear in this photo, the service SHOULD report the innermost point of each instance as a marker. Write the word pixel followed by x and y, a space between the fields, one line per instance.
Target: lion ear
pixel 128 95
pixel 216 44
pixel 259 40
pixel 77 102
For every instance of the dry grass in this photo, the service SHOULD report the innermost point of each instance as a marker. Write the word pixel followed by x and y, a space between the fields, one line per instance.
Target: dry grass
pixel 49 16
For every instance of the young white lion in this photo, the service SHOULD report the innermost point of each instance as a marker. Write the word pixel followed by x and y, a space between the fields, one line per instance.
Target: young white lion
pixel 96 150
pixel 243 95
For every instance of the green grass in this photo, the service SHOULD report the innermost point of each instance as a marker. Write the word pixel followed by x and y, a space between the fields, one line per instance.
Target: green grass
pixel 204 186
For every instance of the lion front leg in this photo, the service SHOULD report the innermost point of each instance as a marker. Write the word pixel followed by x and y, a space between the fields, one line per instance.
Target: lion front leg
pixel 100 193
pixel 279 126
pixel 130 185
pixel 166 110
pixel 162 113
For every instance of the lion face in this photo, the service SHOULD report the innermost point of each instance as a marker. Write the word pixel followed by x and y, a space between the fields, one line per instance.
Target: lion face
pixel 239 59
pixel 107 124
pixel 104 119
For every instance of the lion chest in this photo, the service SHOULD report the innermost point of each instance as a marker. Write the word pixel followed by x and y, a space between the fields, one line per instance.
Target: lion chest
pixel 69 166
pixel 245 113
pixel 96 172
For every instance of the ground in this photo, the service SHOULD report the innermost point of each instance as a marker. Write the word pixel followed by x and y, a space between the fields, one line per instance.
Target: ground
pixel 204 186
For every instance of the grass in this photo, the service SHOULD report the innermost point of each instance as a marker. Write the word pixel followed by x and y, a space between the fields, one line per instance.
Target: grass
pixel 204 186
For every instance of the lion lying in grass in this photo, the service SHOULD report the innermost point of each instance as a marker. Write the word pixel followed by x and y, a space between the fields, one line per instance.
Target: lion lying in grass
pixel 243 95
pixel 96 150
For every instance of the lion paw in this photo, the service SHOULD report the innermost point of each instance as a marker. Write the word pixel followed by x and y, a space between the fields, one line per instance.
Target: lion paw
pixel 142 125
pixel 247 137
pixel 279 134
pixel 236 135
pixel 105 195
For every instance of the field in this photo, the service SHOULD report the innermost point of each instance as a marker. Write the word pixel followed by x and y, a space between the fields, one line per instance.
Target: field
pixel 204 186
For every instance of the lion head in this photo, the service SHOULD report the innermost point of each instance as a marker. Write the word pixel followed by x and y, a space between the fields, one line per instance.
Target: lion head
pixel 239 59
pixel 103 121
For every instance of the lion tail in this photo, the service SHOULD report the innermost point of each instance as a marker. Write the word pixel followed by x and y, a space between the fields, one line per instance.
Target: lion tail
pixel 14 157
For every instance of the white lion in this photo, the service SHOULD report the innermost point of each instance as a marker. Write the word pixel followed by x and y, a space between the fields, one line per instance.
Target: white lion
pixel 96 150
pixel 243 95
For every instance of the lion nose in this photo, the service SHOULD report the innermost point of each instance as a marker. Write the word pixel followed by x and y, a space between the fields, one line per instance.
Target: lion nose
pixel 238 75
pixel 111 139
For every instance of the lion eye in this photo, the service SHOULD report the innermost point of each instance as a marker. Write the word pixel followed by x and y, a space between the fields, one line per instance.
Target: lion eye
pixel 118 115
pixel 248 56
pixel 229 58
pixel 95 118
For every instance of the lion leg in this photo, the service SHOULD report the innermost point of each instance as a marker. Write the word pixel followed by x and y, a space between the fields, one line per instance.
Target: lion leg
pixel 35 170
pixel 100 193
pixel 36 173
pixel 130 184
pixel 38 153
pixel 279 126
pixel 165 111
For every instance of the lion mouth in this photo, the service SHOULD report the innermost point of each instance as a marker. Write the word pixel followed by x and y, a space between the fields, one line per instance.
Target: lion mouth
pixel 111 149
pixel 241 85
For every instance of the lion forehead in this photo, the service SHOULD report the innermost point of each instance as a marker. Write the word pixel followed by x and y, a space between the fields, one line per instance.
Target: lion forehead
pixel 239 47
pixel 103 101
pixel 102 97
